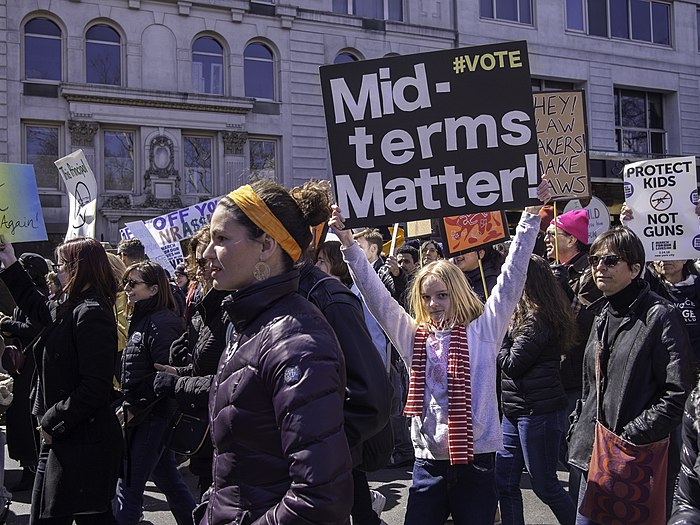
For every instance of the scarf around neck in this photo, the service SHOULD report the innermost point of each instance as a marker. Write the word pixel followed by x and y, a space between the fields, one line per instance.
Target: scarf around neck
pixel 460 436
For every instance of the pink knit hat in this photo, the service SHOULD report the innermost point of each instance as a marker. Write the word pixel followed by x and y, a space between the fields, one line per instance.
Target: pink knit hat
pixel 574 222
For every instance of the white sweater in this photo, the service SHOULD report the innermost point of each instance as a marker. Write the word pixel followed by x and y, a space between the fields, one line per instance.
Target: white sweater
pixel 484 334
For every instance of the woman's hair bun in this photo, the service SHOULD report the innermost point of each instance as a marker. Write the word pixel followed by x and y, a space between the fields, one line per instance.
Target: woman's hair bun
pixel 314 199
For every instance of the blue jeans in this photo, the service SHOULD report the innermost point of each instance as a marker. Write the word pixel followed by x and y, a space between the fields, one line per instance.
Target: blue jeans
pixel 148 458
pixel 533 442
pixel 439 489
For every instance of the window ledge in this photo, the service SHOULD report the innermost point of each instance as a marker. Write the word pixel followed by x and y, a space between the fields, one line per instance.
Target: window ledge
pixel 95 93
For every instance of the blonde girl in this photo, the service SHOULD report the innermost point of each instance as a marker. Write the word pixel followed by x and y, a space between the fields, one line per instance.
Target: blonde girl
pixel 450 347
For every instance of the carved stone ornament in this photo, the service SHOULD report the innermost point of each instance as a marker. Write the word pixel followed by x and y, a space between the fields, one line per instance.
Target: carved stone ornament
pixel 234 142
pixel 161 162
pixel 117 202
pixel 82 133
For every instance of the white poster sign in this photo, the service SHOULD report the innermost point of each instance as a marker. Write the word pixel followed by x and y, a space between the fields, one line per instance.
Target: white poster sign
pixel 153 250
pixel 82 194
pixel 662 194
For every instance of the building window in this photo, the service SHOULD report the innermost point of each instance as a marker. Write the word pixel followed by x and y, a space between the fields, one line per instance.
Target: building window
pixel 119 160
pixel 103 64
pixel 259 71
pixel 344 58
pixel 641 20
pixel 42 50
pixel 511 10
pixel 41 147
pixel 376 9
pixel 639 122
pixel 263 159
pixel 541 84
pixel 207 66
pixel 197 163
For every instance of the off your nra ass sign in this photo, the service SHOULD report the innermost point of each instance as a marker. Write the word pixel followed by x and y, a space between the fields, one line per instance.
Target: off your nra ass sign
pixel 433 134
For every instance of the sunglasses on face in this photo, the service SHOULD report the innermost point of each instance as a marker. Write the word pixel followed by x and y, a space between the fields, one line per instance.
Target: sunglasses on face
pixel 608 260
pixel 57 268
pixel 131 283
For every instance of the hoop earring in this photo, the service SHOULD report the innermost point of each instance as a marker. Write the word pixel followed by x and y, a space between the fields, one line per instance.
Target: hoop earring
pixel 261 271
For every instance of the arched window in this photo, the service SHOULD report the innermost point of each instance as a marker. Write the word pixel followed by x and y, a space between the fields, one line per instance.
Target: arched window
pixel 259 71
pixel 207 66
pixel 42 50
pixel 344 58
pixel 103 57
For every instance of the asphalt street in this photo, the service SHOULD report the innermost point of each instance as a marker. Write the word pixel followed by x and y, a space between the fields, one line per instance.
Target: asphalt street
pixel 392 483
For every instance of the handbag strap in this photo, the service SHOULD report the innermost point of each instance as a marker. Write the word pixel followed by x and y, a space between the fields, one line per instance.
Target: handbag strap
pixel 598 352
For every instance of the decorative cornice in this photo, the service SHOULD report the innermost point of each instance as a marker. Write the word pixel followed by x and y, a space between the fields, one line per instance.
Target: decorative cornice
pixel 93 94
pixel 234 142
pixel 82 133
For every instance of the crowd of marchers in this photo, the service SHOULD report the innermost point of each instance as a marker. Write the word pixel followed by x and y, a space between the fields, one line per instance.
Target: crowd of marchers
pixel 306 366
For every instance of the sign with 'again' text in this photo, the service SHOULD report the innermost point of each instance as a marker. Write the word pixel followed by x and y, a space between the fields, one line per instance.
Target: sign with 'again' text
pixel 432 135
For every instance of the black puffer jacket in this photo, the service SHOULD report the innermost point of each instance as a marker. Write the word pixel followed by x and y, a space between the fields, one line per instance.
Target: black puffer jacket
pixel 276 413
pixel 646 376
pixel 530 379
pixel 151 332
pixel 686 503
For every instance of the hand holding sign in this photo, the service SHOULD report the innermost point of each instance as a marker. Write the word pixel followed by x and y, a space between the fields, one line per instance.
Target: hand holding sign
pixel 543 194
pixel 7 253
pixel 337 222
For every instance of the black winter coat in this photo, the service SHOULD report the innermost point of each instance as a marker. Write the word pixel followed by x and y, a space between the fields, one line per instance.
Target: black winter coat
pixel 582 291
pixel 686 503
pixel 368 391
pixel 151 332
pixel 75 361
pixel 530 378
pixel 206 337
pixel 276 413
pixel 646 376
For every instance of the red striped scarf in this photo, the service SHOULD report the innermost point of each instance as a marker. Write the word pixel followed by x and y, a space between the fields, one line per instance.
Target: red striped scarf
pixel 460 435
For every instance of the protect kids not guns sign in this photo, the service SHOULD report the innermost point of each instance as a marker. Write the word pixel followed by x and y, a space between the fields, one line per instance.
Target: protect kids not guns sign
pixel 662 194
pixel 433 134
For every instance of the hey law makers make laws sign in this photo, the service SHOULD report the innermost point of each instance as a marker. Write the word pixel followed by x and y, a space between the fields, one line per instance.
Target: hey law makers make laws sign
pixel 433 134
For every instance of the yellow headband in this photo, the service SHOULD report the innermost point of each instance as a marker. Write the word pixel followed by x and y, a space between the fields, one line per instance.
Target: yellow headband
pixel 258 212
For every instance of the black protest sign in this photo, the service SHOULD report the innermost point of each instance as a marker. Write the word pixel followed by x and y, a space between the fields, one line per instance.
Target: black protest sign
pixel 432 135
pixel 560 117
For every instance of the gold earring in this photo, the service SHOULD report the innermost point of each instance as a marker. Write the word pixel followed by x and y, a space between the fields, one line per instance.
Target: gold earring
pixel 261 271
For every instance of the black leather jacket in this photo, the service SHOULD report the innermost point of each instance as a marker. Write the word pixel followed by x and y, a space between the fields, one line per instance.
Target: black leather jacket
pixel 686 503
pixel 646 375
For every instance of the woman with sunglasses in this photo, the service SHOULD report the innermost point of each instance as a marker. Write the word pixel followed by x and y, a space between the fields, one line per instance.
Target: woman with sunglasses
pixel 642 348
pixel 276 403
pixel 81 445
pixel 153 327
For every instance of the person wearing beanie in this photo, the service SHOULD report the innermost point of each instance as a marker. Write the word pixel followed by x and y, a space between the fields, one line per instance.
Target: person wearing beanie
pixel 574 273
pixel 181 278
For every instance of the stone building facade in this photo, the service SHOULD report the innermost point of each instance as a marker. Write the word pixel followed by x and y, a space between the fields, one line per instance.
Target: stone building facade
pixel 175 101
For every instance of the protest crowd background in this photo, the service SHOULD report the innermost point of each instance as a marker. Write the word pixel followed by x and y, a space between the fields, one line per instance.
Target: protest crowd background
pixel 453 303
